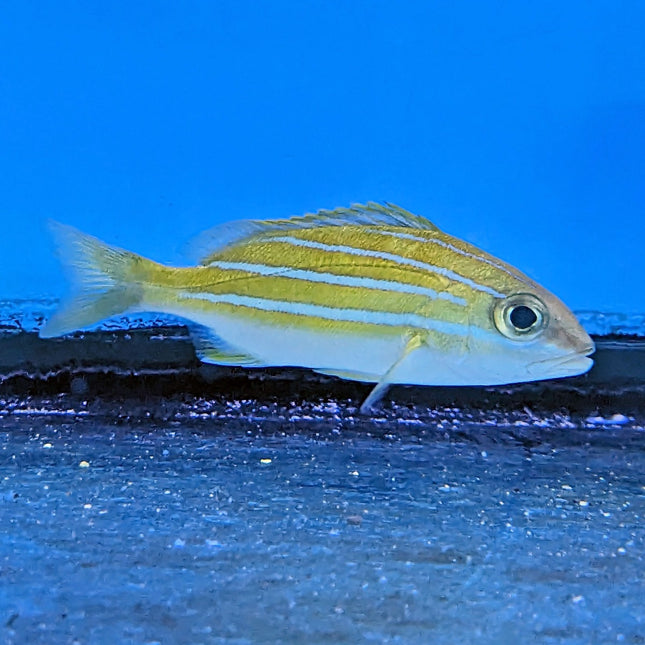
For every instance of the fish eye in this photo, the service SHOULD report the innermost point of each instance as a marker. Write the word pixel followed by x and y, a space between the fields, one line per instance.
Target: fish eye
pixel 520 317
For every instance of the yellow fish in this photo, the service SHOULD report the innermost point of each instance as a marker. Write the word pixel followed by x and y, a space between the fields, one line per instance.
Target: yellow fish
pixel 370 293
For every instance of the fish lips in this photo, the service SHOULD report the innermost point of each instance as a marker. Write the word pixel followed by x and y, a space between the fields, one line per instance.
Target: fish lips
pixel 572 364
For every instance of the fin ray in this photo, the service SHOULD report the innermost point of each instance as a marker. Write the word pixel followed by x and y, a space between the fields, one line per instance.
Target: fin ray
pixel 348 375
pixel 101 279
pixel 378 392
pixel 210 348
pixel 205 245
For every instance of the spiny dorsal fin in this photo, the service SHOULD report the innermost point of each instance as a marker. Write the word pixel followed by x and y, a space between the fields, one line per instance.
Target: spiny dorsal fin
pixel 370 214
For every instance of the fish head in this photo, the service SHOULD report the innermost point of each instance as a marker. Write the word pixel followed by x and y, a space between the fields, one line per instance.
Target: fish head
pixel 532 335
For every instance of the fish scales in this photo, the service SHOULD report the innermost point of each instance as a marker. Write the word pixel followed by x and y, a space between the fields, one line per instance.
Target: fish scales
pixel 437 238
pixel 279 254
pixel 302 290
pixel 440 261
pixel 372 293
pixel 319 318
pixel 372 255
pixel 290 301
pixel 312 287
pixel 323 277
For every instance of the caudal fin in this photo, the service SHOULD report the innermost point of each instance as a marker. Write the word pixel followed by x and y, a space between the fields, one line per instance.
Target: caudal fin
pixel 102 279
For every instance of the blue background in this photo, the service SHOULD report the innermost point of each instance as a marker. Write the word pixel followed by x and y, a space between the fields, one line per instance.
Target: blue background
pixel 517 126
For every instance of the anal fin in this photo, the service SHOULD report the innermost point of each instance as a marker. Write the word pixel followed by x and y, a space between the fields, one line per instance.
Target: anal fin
pixel 210 348
pixel 350 376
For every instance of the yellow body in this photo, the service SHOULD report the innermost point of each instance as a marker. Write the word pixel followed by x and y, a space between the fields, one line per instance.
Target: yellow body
pixel 372 293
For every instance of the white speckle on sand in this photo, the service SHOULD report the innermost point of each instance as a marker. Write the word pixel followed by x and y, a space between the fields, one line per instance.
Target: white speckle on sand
pixel 613 420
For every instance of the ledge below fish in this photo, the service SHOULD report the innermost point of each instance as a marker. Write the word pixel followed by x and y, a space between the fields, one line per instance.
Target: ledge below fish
pixel 145 363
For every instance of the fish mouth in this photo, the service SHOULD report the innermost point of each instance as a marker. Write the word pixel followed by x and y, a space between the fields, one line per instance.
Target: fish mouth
pixel 568 365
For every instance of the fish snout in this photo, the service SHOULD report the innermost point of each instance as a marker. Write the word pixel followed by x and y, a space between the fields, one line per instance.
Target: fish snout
pixel 575 341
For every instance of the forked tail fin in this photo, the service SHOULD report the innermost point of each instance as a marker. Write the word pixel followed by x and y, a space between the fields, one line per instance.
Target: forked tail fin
pixel 103 281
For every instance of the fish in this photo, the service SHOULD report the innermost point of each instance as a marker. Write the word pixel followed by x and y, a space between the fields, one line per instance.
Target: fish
pixel 370 293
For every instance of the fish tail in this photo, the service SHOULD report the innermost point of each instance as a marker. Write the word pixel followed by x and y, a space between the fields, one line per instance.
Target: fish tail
pixel 106 281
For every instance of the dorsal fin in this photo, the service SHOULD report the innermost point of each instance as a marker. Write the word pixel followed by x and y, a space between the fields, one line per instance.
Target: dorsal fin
pixel 370 214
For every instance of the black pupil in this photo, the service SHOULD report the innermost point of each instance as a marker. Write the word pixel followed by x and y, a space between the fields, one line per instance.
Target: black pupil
pixel 522 317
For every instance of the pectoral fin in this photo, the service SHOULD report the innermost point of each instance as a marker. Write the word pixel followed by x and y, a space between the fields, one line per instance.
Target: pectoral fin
pixel 415 341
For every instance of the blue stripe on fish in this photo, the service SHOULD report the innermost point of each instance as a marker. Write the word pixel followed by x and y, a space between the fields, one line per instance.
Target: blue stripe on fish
pixel 450 247
pixel 336 279
pixel 378 318
pixel 351 250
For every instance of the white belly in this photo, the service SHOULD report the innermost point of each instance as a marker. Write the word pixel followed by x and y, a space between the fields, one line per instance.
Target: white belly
pixel 274 345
